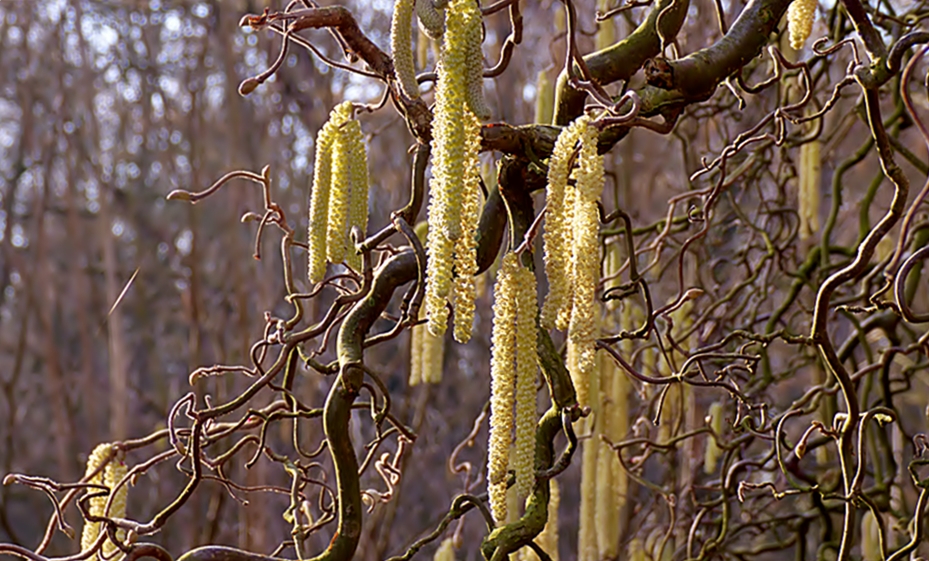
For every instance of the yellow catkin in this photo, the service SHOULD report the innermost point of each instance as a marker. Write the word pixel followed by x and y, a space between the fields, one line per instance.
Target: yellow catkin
pixel 401 46
pixel 800 17
pixel 587 549
pixel 713 452
pixel 809 196
pixel 558 237
pixel 465 288
pixel 563 319
pixel 358 176
pixel 94 461
pixel 502 384
pixel 339 199
pixel 416 354
pixel 606 34
pixel 636 550
pixel 513 511
pixel 870 538
pixel 545 98
pixel 433 353
pixel 446 550
pixel 585 261
pixel 548 538
pixel 319 204
pixel 612 481
pixel 114 472
pixel 431 20
pixel 526 356
pixel 422 49
pixel 475 69
pixel 455 169
pixel 606 523
pixel 319 199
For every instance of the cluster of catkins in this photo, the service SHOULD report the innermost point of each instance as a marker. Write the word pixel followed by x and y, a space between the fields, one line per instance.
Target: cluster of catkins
pixel 512 382
pixel 572 255
pixel 339 200
pixel 455 195
pixel 114 471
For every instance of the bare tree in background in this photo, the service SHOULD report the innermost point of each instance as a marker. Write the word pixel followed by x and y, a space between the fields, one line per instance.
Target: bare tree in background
pixel 760 385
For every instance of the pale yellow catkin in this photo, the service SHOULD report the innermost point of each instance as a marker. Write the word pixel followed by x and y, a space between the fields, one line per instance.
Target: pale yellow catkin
pixel 416 354
pixel 339 199
pixel 431 20
pixel 606 521
pixel 475 76
pixel 114 472
pixel 94 462
pixel 870 538
pixel 526 375
pixel 545 99
pixel 612 481
pixel 585 260
pixel 606 33
pixel 433 353
pixel 809 191
pixel 319 204
pixel 422 49
pixel 557 236
pixel 800 17
pixel 401 47
pixel 359 185
pixel 319 212
pixel 446 550
pixel 636 550
pixel 465 288
pixel 502 384
pixel 455 168
pixel 713 452
pixel 587 549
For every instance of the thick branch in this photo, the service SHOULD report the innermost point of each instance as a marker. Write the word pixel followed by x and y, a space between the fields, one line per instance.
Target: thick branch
pixel 622 60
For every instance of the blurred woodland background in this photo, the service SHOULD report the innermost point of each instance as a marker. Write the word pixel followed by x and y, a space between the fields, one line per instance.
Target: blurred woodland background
pixel 107 106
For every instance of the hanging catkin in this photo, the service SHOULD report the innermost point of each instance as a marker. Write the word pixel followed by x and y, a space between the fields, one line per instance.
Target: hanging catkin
pixel 513 377
pixel 502 384
pixel 808 193
pixel 526 356
pixel 446 550
pixel 112 475
pixel 339 199
pixel 558 237
pixel 455 187
pixel 94 461
pixel 800 17
pixel 401 47
pixel 587 517
pixel 545 99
